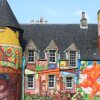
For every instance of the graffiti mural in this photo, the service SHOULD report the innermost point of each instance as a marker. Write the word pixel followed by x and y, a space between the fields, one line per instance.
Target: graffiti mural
pixel 10 57
pixel 89 81
pixel 41 65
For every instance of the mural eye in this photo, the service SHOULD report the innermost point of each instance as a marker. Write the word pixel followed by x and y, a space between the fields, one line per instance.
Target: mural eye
pixel 98 80
pixel 1 30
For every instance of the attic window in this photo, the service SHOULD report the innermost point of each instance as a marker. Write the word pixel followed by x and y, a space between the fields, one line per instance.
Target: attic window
pixel 31 56
pixel 52 56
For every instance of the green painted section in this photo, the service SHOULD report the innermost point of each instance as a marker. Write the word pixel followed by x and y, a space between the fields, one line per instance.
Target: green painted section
pixel 39 68
pixel 97 98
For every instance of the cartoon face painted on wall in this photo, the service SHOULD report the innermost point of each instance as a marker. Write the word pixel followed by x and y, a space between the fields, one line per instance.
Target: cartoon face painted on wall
pixel 10 65
pixel 8 36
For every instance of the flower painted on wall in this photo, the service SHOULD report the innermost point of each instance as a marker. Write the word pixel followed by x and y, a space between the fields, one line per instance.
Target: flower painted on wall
pixel 9 50
pixel 92 74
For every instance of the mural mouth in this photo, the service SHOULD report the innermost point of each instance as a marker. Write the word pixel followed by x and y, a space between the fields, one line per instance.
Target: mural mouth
pixel 3 85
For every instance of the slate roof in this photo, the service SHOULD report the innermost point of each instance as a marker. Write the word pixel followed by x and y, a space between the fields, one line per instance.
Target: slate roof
pixel 52 46
pixel 7 18
pixel 64 35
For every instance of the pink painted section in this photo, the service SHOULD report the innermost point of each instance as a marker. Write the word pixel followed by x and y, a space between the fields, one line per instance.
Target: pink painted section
pixel 42 63
pixel 99 29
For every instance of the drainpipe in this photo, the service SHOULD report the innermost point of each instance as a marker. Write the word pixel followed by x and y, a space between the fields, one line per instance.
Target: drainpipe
pixel 23 70
pixel 99 32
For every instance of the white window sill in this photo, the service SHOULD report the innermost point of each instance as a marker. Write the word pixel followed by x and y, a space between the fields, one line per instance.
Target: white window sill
pixel 69 87
pixel 30 88
pixel 71 67
pixel 52 62
pixel 31 62
pixel 51 88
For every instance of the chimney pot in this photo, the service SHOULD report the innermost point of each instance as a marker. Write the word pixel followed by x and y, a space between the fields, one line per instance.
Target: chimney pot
pixel 83 14
pixel 41 19
pixel 83 21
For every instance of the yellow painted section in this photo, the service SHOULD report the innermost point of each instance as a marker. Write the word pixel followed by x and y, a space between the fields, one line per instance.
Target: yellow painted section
pixel 99 16
pixel 36 76
pixel 62 63
pixel 8 36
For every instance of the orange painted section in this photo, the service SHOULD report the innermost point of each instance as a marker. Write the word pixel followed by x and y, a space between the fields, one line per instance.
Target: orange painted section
pixel 10 71
pixel 52 71
pixel 43 82
pixel 92 75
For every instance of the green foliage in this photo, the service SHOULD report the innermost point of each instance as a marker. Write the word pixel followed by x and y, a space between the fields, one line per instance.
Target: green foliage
pixel 84 65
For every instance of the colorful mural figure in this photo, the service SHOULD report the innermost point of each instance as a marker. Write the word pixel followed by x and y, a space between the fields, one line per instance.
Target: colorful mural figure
pixel 10 65
pixel 89 80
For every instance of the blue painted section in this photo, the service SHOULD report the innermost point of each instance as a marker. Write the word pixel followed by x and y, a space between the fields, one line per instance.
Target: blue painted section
pixel 23 62
pixel 65 74
pixel 52 66
pixel 4 76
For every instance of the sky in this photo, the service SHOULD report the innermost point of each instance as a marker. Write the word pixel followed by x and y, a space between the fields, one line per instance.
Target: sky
pixel 55 11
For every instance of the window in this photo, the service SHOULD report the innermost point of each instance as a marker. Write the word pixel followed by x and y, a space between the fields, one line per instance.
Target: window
pixel 72 58
pixel 69 82
pixel 51 81
pixel 30 56
pixel 52 56
pixel 30 81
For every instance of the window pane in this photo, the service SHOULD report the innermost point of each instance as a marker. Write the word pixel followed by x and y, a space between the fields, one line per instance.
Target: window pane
pixel 30 55
pixel 51 80
pixel 72 58
pixel 30 81
pixel 69 81
pixel 52 55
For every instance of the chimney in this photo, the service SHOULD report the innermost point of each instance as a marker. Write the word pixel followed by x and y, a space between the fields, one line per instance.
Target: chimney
pixel 99 32
pixel 41 20
pixel 83 21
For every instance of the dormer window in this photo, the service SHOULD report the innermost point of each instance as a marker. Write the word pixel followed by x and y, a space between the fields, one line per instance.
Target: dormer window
pixel 52 56
pixel 52 52
pixel 31 55
pixel 72 55
pixel 72 58
pixel 31 52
